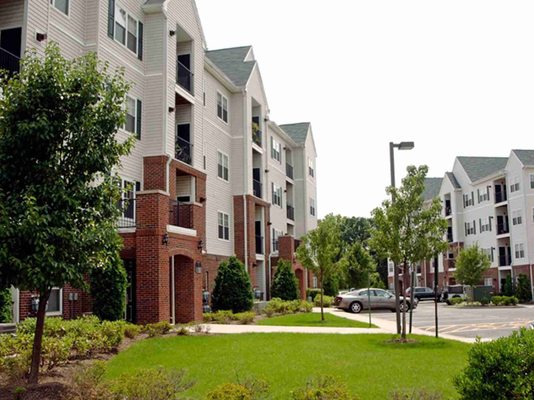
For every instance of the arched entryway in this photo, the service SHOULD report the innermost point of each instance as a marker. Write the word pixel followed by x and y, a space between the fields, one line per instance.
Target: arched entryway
pixel 185 289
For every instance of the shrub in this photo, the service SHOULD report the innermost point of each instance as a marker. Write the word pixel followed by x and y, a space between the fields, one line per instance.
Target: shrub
pixel 108 289
pixel 88 383
pixel 245 318
pixel 508 287
pixel 327 301
pixel 278 306
pixel 5 305
pixel 420 394
pixel 323 388
pixel 523 292
pixel 456 300
pixel 131 331
pixel 285 284
pixel 230 391
pixel 484 301
pixel 504 300
pixel 311 293
pixel 331 285
pixel 232 287
pixel 501 369
pixel 157 329
pixel 152 384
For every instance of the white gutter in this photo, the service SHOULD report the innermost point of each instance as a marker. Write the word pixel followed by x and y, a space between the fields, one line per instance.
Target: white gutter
pixel 245 176
pixel 173 294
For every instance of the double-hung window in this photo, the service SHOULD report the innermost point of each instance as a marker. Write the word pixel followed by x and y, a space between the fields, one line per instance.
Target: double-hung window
pixel 224 226
pixel 515 185
pixel 133 116
pixel 311 168
pixel 312 206
pixel 222 107
pixel 519 250
pixel 54 306
pixel 276 150
pixel 61 5
pixel 222 166
pixel 532 181
pixel 276 235
pixel 277 194
pixel 517 218
pixel 125 28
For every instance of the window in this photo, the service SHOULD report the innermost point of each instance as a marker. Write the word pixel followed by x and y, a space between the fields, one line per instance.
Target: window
pixel 517 218
pixel 483 195
pixel 312 206
pixel 519 250
pixel 222 166
pixel 222 107
pixel 133 116
pixel 55 302
pixel 120 25
pixel 61 5
pixel 311 168
pixel 488 282
pixel 277 194
pixel 276 150
pixel 468 200
pixel 532 181
pixel 488 253
pixel 125 29
pixel 276 235
pixel 485 224
pixel 224 226
pixel 131 41
pixel 515 185
pixel 470 228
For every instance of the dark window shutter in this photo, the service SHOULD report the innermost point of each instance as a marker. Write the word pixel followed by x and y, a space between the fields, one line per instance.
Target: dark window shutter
pixel 474 227
pixel 111 18
pixel 140 41
pixel 139 114
pixel 137 186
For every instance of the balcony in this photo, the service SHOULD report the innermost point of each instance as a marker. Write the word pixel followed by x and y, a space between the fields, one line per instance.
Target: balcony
pixel 256 134
pixel 502 228
pixel 184 77
pixel 259 244
pixel 183 150
pixel 256 188
pixel 9 61
pixel 290 212
pixel 505 260
pixel 181 214
pixel 500 197
pixel 449 235
pixel 289 170
pixel 127 216
pixel 448 208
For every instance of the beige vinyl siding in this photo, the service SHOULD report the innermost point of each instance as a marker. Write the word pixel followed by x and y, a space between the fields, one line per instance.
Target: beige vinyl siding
pixel 92 25
pixel 277 176
pixel 37 21
pixel 311 189
pixel 12 15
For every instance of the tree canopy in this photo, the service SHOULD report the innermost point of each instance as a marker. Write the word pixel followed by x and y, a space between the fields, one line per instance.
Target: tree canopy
pixel 471 264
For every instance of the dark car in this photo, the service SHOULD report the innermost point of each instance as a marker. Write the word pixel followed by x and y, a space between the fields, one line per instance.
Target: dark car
pixel 422 293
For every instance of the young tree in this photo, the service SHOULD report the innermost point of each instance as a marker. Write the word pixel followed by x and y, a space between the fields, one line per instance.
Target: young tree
pixel 5 305
pixel 406 231
pixel 524 290
pixel 320 251
pixel 58 192
pixel 233 290
pixel 508 287
pixel 471 264
pixel 358 266
pixel 285 285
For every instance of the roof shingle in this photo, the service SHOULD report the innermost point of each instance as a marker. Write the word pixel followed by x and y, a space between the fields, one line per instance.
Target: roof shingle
pixel 480 167
pixel 525 156
pixel 432 187
pixel 298 132
pixel 232 63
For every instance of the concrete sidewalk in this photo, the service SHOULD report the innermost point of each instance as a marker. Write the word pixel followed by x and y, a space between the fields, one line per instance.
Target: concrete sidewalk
pixel 384 326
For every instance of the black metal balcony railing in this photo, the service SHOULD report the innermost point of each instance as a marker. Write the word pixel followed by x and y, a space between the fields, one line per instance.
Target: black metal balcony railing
pixel 449 236
pixel 256 188
pixel 448 211
pixel 181 214
pixel 9 61
pixel 502 228
pixel 500 197
pixel 290 212
pixel 256 137
pixel 504 260
pixel 184 150
pixel 184 76
pixel 259 244
pixel 289 170
pixel 127 217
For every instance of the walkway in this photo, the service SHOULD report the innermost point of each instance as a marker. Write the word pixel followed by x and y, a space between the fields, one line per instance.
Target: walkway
pixel 384 326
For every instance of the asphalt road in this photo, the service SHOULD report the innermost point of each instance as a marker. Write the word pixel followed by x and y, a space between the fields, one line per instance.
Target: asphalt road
pixel 488 322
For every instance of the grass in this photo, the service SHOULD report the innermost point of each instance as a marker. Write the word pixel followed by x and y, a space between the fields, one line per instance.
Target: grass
pixel 314 319
pixel 370 365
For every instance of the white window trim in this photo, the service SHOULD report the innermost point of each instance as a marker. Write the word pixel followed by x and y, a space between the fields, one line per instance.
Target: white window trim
pixel 123 196
pixel 531 180
pixel 128 15
pixel 515 186
pixel 278 190
pixel 311 168
pixel 223 97
pixel 227 167
pixel 135 99
pixel 276 148
pixel 223 214
pixel 60 312
pixel 519 248
pixel 517 217
pixel 67 14
pixel 313 207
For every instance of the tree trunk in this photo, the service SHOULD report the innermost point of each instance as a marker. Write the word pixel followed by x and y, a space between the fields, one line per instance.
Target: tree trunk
pixel 412 284
pixel 322 292
pixel 397 301
pixel 38 338
pixel 403 331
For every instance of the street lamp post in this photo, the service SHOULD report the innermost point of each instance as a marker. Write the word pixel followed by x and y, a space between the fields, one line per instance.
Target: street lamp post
pixel 392 147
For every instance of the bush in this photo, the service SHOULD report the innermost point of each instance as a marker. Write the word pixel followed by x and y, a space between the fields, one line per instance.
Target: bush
pixel 508 287
pixel 232 287
pixel 323 388
pixel 331 285
pixel 249 389
pixel 312 293
pixel 5 306
pixel 455 301
pixel 157 329
pixel 504 300
pixel 502 369
pixel 152 384
pixel 88 383
pixel 245 318
pixel 278 306
pixel 523 292
pixel 421 394
pixel 108 289
pixel 131 331
pixel 285 284
pixel 327 301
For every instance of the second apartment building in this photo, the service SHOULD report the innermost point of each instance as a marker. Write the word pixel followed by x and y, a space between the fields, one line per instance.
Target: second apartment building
pixel 210 176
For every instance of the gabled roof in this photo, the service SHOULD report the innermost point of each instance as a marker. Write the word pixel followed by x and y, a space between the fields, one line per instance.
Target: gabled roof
pixel 232 63
pixel 525 156
pixel 480 167
pixel 432 187
pixel 453 180
pixel 298 132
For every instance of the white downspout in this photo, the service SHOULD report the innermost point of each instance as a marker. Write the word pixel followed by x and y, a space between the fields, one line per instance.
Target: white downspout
pixel 173 286
pixel 245 177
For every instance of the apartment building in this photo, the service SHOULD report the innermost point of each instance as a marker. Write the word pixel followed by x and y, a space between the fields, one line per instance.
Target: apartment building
pixel 487 201
pixel 210 175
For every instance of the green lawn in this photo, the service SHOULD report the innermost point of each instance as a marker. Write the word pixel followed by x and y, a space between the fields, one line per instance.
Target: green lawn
pixel 370 365
pixel 314 319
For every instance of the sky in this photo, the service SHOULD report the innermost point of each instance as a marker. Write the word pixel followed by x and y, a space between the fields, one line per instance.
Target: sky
pixel 455 77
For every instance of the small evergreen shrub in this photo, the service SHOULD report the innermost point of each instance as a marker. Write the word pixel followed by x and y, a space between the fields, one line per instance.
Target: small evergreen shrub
pixel 500 370
pixel 279 306
pixel 232 287
pixel 523 292
pixel 88 383
pixel 245 318
pixel 327 301
pixel 323 388
pixel 504 300
pixel 509 287
pixel 285 284
pixel 108 289
pixel 415 394
pixel 311 293
pixel 249 389
pixel 157 329
pixel 455 301
pixel 131 331
pixel 5 306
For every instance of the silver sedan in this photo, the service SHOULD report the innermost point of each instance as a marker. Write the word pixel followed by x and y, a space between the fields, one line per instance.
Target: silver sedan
pixel 358 300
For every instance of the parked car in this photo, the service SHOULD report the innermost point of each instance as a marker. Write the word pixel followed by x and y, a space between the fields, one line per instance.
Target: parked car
pixel 422 293
pixel 358 300
pixel 452 292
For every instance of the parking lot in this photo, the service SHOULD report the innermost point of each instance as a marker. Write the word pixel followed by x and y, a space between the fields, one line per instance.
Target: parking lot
pixel 488 322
